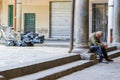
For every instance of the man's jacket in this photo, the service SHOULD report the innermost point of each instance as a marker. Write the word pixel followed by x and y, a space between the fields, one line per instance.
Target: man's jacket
pixel 94 41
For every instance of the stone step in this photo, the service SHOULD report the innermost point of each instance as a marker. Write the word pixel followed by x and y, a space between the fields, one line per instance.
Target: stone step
pixel 40 65
pixel 111 48
pixel 114 54
pixel 93 56
pixel 56 72
pixel 35 66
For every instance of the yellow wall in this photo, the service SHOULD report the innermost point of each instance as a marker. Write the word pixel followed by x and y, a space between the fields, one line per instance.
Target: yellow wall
pixel 4 13
pixel 42 17
pixel 42 10
pixel 40 7
pixel 0 11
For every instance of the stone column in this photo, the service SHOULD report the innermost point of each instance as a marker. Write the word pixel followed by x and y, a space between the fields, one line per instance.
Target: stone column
pixel 81 25
pixel 110 18
pixel 17 20
pixel 116 27
pixel 18 14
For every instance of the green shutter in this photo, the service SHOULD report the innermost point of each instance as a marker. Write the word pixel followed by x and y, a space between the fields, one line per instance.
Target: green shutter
pixel 10 15
pixel 29 22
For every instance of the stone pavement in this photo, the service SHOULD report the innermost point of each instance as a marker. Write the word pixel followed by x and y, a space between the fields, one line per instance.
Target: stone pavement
pixel 99 71
pixel 18 55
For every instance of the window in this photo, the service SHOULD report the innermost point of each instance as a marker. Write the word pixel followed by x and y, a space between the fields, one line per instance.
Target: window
pixel 10 15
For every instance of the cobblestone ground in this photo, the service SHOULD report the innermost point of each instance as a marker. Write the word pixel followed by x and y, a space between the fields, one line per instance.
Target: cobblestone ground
pixel 100 71
pixel 17 55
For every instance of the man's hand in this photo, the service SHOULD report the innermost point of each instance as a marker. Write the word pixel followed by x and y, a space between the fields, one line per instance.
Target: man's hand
pixel 105 45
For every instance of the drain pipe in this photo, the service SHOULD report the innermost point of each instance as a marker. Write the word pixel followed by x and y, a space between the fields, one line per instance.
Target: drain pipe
pixel 72 27
pixel 15 1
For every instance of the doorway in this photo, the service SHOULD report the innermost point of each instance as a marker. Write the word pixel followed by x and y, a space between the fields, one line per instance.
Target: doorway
pixel 100 19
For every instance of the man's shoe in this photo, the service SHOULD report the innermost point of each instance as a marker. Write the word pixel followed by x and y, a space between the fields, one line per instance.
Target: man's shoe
pixel 109 60
pixel 101 61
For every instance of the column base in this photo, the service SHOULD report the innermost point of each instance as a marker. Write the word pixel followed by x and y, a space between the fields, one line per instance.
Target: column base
pixel 84 54
pixel 79 50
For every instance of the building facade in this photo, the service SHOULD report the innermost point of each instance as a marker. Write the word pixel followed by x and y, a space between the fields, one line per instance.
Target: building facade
pixel 50 17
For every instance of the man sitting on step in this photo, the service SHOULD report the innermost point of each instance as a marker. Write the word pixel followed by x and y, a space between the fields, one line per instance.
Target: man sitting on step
pixel 97 46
